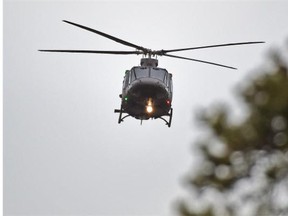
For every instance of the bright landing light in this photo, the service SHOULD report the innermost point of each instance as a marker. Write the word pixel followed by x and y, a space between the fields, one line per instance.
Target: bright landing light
pixel 149 109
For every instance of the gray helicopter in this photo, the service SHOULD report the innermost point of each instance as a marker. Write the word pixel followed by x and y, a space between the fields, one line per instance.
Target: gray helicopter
pixel 147 89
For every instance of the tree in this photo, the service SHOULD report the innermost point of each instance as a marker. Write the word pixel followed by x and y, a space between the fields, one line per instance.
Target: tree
pixel 243 168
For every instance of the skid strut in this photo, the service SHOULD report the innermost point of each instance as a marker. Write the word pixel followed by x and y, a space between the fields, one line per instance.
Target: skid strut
pixel 120 111
pixel 169 114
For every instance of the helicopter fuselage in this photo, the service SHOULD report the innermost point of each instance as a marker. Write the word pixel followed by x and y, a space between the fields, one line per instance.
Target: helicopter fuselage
pixel 147 91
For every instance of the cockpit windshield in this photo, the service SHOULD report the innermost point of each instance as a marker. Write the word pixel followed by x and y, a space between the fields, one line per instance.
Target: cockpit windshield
pixel 158 73
pixel 143 72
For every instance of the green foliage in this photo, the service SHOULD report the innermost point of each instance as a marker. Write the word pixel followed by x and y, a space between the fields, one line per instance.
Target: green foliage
pixel 244 167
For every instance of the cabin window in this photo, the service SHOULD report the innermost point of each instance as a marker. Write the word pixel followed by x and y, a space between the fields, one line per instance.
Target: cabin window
pixel 158 74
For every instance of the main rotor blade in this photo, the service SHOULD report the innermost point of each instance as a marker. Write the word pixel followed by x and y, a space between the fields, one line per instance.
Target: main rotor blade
pixel 118 40
pixel 95 52
pixel 197 60
pixel 210 46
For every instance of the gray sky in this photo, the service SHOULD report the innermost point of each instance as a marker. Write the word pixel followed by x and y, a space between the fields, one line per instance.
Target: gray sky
pixel 64 152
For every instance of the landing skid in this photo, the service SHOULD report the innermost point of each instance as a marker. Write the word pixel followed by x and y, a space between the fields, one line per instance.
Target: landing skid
pixel 121 111
pixel 170 113
pixel 121 119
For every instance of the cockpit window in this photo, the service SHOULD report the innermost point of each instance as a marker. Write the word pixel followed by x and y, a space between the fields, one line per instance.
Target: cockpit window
pixel 141 72
pixel 146 72
pixel 132 78
pixel 158 73
pixel 170 83
pixel 126 78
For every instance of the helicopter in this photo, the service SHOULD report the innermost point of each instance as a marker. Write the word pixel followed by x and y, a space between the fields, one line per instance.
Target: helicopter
pixel 147 89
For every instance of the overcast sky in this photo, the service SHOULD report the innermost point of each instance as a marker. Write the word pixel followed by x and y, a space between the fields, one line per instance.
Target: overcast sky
pixel 64 152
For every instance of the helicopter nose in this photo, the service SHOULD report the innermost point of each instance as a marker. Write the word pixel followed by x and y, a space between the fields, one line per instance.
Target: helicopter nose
pixel 148 90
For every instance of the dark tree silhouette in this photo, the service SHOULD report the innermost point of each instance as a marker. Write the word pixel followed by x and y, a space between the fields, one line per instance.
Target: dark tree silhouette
pixel 243 168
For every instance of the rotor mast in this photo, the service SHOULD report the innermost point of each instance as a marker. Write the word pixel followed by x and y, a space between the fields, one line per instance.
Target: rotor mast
pixel 149 62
